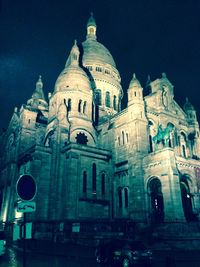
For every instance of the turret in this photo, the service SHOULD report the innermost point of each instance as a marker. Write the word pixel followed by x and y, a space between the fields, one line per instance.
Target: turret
pixel 37 99
pixel 189 110
pixel 135 91
pixel 148 85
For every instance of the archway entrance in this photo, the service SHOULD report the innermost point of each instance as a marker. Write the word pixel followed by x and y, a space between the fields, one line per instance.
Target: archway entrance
pixel 156 201
pixel 186 199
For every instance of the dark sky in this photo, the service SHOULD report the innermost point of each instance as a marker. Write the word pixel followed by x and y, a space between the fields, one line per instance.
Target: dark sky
pixel 144 36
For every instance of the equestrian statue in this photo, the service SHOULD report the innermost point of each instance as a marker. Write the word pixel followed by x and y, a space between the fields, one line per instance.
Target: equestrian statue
pixel 163 136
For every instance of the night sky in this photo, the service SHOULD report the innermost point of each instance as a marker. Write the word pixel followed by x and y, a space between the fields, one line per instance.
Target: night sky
pixel 143 36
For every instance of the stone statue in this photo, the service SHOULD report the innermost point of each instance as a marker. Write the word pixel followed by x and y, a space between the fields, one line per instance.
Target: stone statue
pixel 163 135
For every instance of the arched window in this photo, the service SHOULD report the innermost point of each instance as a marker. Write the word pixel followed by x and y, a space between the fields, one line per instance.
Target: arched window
pixel 179 140
pixel 156 199
pixel 84 107
pixel 98 97
pixel 107 100
pixel 123 137
pixel 120 197
pixel 69 104
pixel 99 69
pixel 187 200
pixel 103 184
pixel 183 144
pixel 79 105
pixel 183 137
pixel 74 57
pixel 150 144
pixel 84 182
pixel 183 151
pixel 176 142
pixel 94 178
pixel 151 133
pixel 115 102
pixel 127 137
pixel 119 105
pixel 91 30
pixel 126 197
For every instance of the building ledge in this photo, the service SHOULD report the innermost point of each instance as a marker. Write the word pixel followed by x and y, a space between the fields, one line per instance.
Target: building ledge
pixel 95 201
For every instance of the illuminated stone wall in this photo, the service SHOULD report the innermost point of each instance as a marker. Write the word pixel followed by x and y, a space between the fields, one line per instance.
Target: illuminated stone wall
pixel 93 161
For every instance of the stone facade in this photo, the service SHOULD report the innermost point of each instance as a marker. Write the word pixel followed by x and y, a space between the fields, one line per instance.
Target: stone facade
pixel 90 160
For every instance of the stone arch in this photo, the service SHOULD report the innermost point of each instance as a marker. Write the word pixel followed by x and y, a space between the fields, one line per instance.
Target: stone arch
pixel 172 135
pixel 48 137
pixel 123 199
pixel 183 143
pixel 187 188
pixel 156 201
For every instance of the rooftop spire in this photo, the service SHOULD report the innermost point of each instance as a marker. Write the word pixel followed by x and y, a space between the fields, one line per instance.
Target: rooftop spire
pixel 148 83
pixel 38 93
pixel 188 105
pixel 91 27
pixel 37 99
pixel 73 58
pixel 39 83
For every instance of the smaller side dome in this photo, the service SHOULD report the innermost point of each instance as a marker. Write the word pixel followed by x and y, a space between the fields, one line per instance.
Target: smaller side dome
pixel 188 106
pixel 73 76
pixel 134 82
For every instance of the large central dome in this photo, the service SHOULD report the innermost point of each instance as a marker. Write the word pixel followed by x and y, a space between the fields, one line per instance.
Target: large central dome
pixel 102 72
pixel 95 51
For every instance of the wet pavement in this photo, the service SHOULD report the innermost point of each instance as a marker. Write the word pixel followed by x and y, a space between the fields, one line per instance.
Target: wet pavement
pixel 13 258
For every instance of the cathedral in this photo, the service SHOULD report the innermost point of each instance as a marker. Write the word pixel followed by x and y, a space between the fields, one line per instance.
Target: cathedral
pixel 94 162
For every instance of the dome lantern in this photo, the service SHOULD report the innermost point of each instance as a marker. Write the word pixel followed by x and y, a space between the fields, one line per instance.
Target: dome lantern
pixel 91 27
